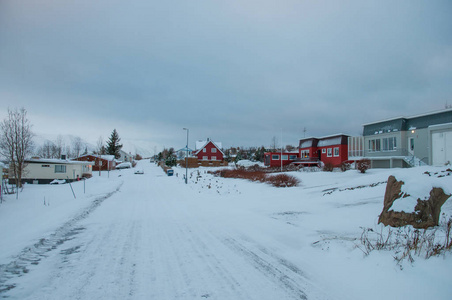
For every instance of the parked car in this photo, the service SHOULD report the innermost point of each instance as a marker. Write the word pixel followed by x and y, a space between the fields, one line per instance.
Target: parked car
pixel 124 165
pixel 139 172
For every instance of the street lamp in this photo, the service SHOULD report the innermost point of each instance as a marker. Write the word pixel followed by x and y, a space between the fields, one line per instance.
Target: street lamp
pixel 186 158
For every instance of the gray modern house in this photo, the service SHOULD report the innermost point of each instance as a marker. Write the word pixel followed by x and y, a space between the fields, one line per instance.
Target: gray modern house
pixel 424 139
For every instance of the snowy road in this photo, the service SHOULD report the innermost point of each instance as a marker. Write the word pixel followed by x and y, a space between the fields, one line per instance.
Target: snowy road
pixel 149 241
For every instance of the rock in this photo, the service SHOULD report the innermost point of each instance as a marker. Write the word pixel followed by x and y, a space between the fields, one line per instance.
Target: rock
pixel 426 212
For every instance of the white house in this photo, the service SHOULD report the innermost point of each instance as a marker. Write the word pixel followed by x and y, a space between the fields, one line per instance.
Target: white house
pixel 39 171
pixel 124 156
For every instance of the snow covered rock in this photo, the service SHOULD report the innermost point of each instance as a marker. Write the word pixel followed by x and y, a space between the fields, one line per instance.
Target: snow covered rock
pixel 424 214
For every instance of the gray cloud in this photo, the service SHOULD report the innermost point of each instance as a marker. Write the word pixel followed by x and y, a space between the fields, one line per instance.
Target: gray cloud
pixel 237 71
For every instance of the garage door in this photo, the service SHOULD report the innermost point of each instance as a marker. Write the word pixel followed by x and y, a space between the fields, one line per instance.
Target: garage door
pixel 441 147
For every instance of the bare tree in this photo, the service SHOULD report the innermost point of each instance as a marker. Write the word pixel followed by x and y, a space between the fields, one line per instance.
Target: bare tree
pixel 77 146
pixel 54 151
pixel 47 150
pixel 100 148
pixel 274 143
pixel 16 141
pixel 59 146
pixel 68 151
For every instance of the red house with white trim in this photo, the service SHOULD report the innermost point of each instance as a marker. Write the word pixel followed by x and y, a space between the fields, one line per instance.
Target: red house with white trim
pixel 329 149
pixel 209 151
pixel 104 162
pixel 273 159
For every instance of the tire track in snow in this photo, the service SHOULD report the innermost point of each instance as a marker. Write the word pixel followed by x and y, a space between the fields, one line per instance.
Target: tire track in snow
pixel 278 269
pixel 32 255
pixel 196 259
pixel 228 268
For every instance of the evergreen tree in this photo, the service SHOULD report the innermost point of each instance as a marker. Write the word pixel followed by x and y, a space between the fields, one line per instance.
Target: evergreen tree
pixel 170 159
pixel 228 157
pixel 259 154
pixel 113 145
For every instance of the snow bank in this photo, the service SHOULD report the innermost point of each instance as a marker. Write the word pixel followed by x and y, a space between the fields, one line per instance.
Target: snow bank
pixel 418 183
pixel 248 163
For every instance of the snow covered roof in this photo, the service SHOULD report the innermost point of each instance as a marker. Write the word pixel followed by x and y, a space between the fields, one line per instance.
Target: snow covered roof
pixel 105 157
pixel 200 144
pixel 410 117
pixel 56 161
pixel 108 157
pixel 329 140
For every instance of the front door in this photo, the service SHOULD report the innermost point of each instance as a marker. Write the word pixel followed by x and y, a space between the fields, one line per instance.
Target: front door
pixel 411 146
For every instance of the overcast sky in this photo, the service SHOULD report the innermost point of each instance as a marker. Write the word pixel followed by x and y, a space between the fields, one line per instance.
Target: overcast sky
pixel 237 71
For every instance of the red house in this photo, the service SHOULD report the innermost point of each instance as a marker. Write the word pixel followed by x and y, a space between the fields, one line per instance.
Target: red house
pixel 105 162
pixel 273 159
pixel 209 151
pixel 330 149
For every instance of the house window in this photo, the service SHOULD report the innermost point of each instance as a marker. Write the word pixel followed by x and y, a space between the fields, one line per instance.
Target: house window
pixel 375 145
pixel 305 153
pixel 336 151
pixel 275 157
pixel 60 169
pixel 330 152
pixel 285 157
pixel 214 150
pixel 323 150
pixel 205 158
pixel 214 158
pixel 292 157
pixel 204 150
pixel 389 144
pixel 45 166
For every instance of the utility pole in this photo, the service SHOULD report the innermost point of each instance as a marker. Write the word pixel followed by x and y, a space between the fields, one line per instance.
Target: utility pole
pixel 186 158
pixel 281 150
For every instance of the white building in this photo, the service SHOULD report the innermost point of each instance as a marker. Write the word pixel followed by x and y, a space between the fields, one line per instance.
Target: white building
pixel 46 170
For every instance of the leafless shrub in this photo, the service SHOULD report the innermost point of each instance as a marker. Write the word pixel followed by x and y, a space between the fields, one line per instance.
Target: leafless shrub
pixel 362 165
pixel 328 167
pixel 280 180
pixel 344 166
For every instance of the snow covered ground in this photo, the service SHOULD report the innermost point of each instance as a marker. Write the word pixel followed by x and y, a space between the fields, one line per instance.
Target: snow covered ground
pixel 150 236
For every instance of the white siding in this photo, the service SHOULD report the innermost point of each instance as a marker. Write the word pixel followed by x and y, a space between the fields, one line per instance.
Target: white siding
pixel 441 147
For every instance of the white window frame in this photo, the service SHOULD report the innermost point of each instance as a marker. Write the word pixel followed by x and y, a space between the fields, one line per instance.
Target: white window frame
pixel 204 150
pixel 205 158
pixel 375 145
pixel 213 158
pixel 214 150
pixel 329 152
pixel 60 168
pixel 292 157
pixel 389 144
pixel 336 151
pixel 275 157
pixel 323 151
pixel 285 157
pixel 304 153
